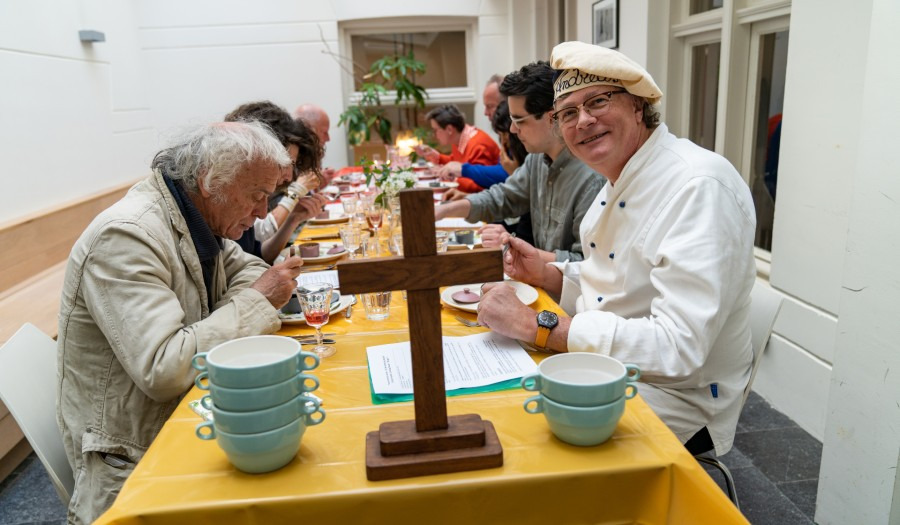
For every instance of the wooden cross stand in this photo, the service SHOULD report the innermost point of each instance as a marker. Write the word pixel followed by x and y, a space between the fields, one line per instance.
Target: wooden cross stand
pixel 432 443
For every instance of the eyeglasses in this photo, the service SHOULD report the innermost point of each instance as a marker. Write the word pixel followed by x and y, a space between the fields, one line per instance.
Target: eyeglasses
pixel 519 120
pixel 594 106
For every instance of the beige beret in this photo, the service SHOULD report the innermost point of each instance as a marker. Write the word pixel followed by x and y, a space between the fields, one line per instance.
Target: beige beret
pixel 582 65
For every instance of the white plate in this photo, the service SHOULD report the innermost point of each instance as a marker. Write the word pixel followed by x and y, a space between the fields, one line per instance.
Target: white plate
pixel 445 185
pixel 337 307
pixel 334 218
pixel 323 253
pixel 527 294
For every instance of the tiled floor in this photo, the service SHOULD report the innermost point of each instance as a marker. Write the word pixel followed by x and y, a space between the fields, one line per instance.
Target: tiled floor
pixel 774 462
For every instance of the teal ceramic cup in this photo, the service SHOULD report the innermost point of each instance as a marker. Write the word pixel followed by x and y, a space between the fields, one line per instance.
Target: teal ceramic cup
pixel 251 362
pixel 263 451
pixel 583 379
pixel 247 399
pixel 582 426
pixel 264 420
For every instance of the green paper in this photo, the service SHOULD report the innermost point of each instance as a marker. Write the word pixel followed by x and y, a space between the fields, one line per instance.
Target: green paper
pixel 381 399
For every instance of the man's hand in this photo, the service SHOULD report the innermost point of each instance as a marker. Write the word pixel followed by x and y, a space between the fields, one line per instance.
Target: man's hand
pixel 490 235
pixel 522 261
pixel 309 207
pixel 502 311
pixel 453 194
pixel 509 164
pixel 430 154
pixel 450 171
pixel 278 282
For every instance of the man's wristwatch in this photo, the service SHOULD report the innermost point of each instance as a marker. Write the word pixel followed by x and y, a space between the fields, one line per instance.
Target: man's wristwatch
pixel 546 321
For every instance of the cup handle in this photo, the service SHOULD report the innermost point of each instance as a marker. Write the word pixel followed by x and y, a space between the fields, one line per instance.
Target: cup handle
pixel 538 405
pixel 195 362
pixel 532 382
pixel 311 420
pixel 306 377
pixel 629 369
pixel 206 402
pixel 630 393
pixel 308 405
pixel 304 356
pixel 198 380
pixel 206 436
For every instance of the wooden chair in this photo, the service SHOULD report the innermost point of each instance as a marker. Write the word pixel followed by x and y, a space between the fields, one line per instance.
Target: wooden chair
pixel 765 304
pixel 28 388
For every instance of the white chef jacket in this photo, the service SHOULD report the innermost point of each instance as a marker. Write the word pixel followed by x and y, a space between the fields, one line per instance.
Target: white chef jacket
pixel 666 282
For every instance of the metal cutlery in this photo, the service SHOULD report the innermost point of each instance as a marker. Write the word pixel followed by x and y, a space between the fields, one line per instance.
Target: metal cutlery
pixel 314 342
pixel 318 268
pixel 466 322
pixel 311 336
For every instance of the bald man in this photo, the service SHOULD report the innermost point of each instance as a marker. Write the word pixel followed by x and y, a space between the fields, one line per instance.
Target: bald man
pixel 316 118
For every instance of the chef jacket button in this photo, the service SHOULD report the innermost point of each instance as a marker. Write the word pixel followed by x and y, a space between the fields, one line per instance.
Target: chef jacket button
pixel 612 255
pixel 599 299
pixel 593 245
pixel 621 204
pixel 602 203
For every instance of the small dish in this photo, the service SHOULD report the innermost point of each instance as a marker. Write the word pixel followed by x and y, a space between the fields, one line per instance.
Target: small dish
pixel 526 293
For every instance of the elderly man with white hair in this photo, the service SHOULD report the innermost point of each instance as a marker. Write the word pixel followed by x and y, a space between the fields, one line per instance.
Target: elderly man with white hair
pixel 152 281
pixel 668 247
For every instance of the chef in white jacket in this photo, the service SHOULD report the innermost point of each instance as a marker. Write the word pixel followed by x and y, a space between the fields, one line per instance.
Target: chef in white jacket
pixel 668 247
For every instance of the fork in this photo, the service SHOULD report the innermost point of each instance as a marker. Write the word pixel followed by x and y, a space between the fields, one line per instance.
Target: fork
pixel 318 269
pixel 466 322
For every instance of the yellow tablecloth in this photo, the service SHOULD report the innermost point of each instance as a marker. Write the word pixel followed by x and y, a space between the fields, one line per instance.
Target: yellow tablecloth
pixel 641 475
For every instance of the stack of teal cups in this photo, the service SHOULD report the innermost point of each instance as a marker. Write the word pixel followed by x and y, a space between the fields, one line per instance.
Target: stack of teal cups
pixel 258 390
pixel 582 395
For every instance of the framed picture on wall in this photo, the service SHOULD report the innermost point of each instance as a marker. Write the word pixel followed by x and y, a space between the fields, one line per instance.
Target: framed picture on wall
pixel 605 23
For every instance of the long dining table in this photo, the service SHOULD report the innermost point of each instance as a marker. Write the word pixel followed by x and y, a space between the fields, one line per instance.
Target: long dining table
pixel 640 475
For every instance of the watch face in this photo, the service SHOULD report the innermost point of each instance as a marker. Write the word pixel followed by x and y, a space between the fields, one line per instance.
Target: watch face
pixel 547 319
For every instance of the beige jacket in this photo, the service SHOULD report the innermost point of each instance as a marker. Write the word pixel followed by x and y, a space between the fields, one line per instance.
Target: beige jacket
pixel 133 314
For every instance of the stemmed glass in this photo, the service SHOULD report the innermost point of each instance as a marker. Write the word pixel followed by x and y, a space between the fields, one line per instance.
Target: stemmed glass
pixel 350 237
pixel 315 301
pixel 374 215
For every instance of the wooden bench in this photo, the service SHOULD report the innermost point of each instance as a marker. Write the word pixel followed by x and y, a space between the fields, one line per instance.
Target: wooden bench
pixel 33 262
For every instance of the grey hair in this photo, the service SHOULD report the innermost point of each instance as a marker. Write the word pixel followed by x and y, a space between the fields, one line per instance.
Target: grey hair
pixel 495 79
pixel 220 151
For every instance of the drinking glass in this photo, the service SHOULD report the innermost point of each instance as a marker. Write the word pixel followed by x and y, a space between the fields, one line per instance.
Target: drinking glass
pixel 315 301
pixel 442 239
pixel 374 214
pixel 350 239
pixel 364 237
pixel 377 305
pixel 397 243
pixel 349 204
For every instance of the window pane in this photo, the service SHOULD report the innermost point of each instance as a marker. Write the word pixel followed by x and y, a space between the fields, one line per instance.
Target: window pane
pixel 767 140
pixel 704 94
pixel 701 6
pixel 444 54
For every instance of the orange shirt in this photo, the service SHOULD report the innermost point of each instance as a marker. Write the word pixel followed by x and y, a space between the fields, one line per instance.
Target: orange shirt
pixel 475 147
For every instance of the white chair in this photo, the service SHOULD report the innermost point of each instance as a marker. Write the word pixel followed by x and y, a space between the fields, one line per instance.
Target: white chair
pixel 765 304
pixel 28 388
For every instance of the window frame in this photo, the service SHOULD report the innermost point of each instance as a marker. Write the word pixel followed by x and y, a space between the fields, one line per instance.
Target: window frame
pixel 467 94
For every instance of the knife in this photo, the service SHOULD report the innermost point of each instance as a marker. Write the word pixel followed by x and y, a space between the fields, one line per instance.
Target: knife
pixel 313 342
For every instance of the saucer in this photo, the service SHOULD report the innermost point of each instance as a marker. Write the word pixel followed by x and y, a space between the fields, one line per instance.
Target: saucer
pixel 526 293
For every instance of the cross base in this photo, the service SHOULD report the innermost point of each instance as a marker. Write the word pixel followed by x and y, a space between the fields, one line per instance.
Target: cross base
pixel 397 450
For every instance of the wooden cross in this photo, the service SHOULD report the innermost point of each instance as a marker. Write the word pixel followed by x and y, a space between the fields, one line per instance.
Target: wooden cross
pixel 432 443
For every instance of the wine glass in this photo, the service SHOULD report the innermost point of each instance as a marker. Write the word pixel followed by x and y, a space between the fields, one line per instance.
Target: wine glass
pixel 315 301
pixel 374 215
pixel 350 237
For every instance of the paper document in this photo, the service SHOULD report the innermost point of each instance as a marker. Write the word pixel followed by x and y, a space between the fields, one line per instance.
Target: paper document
pixel 456 222
pixel 470 361
pixel 327 276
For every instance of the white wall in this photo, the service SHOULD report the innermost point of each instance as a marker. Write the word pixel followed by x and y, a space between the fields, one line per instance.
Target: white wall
pixel 859 479
pixel 73 116
pixel 90 117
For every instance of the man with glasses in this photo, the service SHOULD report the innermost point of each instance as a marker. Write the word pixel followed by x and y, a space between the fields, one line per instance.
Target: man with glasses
pixel 553 185
pixel 669 263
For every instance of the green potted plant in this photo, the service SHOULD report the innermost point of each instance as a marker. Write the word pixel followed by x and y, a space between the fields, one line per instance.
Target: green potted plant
pixel 392 72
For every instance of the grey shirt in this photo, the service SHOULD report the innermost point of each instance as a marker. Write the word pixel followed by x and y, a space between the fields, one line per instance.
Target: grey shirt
pixel 557 195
